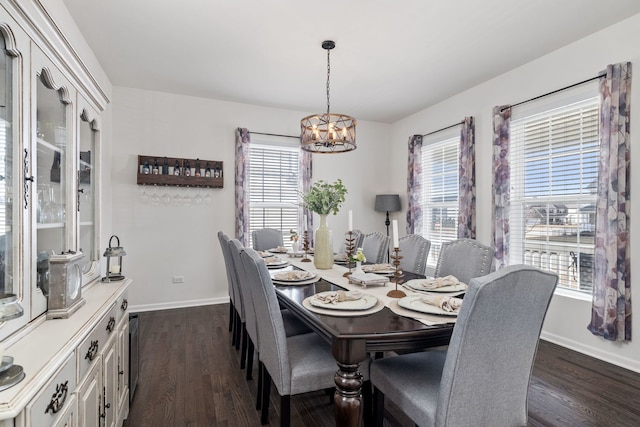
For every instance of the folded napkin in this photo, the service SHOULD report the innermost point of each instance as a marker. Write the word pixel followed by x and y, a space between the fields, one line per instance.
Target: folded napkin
pixel 377 267
pixel 264 254
pixel 439 282
pixel 340 257
pixel 293 275
pixel 279 249
pixel 272 260
pixel 338 296
pixel 446 303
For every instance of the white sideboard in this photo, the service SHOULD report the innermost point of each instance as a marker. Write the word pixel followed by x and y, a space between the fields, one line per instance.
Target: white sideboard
pixel 76 368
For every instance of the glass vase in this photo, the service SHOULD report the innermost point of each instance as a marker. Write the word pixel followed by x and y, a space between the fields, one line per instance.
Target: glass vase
pixel 323 251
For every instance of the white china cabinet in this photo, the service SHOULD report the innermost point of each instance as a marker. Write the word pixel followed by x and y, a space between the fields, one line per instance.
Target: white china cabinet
pixel 72 339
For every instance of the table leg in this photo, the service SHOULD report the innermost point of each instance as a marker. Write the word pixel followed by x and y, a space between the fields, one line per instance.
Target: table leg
pixel 348 404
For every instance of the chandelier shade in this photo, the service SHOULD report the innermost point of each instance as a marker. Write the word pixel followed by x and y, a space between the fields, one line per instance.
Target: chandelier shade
pixel 328 132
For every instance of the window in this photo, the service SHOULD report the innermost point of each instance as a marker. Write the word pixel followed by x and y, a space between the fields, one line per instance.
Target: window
pixel 440 191
pixel 273 187
pixel 554 172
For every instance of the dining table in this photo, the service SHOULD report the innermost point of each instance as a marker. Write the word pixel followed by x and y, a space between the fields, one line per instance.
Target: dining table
pixel 354 336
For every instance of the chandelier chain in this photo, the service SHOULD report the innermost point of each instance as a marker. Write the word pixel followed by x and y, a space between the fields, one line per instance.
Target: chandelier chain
pixel 328 74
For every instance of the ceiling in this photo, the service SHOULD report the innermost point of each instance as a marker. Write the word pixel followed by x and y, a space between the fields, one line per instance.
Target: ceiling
pixel 391 59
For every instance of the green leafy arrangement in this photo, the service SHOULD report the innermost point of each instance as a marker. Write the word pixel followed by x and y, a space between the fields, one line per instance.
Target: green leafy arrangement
pixel 324 198
pixel 358 256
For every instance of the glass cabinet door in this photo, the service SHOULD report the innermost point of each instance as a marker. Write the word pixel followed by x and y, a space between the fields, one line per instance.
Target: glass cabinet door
pixel 87 136
pixel 52 138
pixel 9 174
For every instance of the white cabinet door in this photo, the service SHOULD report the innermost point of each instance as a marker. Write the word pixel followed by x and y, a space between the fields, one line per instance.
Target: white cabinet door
pixel 90 398
pixel 110 379
pixel 123 369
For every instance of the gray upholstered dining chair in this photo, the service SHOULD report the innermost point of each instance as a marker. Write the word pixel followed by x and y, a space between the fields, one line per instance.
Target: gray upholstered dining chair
pixel 357 237
pixel 464 259
pixel 483 378
pixel 266 238
pixel 236 312
pixel 375 247
pixel 250 342
pixel 414 250
pixel 297 364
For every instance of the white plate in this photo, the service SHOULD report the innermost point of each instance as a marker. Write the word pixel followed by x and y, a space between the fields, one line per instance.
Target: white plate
pixel 301 283
pixel 366 302
pixel 412 302
pixel 415 284
pixel 281 276
pixel 278 264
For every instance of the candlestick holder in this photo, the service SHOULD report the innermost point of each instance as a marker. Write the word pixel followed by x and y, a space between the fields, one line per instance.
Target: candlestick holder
pixel 350 247
pixel 396 293
pixel 305 246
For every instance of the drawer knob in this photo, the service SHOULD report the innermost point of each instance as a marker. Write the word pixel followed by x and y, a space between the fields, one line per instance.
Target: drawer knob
pixel 58 398
pixel 111 324
pixel 124 305
pixel 93 351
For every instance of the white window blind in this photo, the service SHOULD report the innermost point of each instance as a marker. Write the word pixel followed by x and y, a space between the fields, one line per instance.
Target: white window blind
pixel 273 188
pixel 440 193
pixel 554 172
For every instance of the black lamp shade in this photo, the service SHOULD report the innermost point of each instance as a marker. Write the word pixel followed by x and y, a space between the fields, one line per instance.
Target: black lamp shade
pixel 387 203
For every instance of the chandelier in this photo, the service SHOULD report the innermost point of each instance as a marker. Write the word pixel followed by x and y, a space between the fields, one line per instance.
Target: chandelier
pixel 329 132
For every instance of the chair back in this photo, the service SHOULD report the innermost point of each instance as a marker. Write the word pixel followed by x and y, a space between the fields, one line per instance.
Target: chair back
pixel 244 285
pixel 273 341
pixel 488 366
pixel 414 250
pixel 375 247
pixel 232 278
pixel 357 237
pixel 266 238
pixel 464 259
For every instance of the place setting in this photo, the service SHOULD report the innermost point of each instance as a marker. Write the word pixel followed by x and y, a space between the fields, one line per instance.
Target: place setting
pixel 429 309
pixel 447 284
pixel 294 277
pixel 343 303
pixel 273 262
pixel 384 269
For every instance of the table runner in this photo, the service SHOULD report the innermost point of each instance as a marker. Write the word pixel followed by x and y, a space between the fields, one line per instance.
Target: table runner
pixel 334 275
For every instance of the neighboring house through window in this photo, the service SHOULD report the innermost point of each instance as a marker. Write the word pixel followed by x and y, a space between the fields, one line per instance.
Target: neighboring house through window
pixel 554 170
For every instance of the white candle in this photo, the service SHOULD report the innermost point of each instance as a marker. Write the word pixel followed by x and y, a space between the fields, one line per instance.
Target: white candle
pixel 304 223
pixel 115 269
pixel 396 243
pixel 350 221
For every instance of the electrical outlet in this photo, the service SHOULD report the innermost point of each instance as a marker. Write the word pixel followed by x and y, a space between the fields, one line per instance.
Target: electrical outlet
pixel 178 279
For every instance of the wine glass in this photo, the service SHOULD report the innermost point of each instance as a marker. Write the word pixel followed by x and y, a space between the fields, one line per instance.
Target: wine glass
pixel 207 197
pixel 197 200
pixel 155 196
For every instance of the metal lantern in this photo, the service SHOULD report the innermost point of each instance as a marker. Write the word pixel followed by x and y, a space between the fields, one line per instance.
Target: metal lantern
pixel 114 256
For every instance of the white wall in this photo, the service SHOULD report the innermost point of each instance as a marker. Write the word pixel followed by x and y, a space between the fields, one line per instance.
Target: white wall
pixel 567 317
pixel 164 241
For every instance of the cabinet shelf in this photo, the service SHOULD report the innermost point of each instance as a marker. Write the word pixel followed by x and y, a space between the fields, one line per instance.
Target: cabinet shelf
pixel 181 180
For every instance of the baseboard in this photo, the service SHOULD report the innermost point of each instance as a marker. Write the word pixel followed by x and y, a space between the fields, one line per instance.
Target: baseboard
pixel 623 362
pixel 177 304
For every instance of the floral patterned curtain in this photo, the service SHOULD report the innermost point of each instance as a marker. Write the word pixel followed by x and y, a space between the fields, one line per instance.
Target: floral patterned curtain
pixel 500 186
pixel 306 172
pixel 467 181
pixel 242 182
pixel 611 306
pixel 414 185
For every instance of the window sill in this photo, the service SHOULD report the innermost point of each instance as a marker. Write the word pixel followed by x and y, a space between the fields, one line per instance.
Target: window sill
pixel 573 294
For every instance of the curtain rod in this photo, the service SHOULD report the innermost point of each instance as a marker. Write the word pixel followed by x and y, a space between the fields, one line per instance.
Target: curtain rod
pixel 444 128
pixel 554 91
pixel 275 134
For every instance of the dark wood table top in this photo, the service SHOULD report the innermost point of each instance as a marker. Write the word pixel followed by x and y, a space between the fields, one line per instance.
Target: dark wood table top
pixel 382 331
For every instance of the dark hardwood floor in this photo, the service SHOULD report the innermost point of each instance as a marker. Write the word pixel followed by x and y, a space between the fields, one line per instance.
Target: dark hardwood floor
pixel 190 376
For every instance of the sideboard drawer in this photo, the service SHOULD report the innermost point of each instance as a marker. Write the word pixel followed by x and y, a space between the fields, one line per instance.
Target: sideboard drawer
pixel 88 351
pixel 55 396
pixel 122 306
